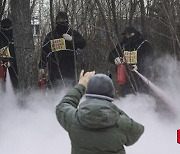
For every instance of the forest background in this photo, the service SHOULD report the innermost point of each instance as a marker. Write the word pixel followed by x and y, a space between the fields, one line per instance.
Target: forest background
pixel 99 21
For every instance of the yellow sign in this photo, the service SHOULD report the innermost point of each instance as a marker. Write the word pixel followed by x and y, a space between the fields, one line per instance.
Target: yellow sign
pixel 58 44
pixel 130 57
pixel 4 52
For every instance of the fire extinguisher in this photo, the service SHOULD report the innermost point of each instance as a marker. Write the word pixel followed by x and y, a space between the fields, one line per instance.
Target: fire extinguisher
pixel 178 136
pixel 121 73
pixel 2 71
pixel 42 82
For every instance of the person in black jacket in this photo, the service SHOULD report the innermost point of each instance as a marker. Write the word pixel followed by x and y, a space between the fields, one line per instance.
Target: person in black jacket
pixel 59 52
pixel 135 52
pixel 7 51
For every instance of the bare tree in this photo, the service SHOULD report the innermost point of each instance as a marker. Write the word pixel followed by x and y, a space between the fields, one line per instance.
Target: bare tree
pixel 103 17
pixel 2 7
pixel 101 20
pixel 24 45
pixel 113 9
pixel 143 18
pixel 133 6
pixel 33 6
pixel 52 14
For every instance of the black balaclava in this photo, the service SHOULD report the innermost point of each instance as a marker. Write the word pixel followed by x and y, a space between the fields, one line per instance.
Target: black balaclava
pixel 100 86
pixel 6 23
pixel 62 21
pixel 6 28
pixel 128 30
pixel 137 38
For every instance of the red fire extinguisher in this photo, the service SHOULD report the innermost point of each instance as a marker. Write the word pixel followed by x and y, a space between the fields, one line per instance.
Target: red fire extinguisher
pixel 178 136
pixel 121 74
pixel 2 70
pixel 42 82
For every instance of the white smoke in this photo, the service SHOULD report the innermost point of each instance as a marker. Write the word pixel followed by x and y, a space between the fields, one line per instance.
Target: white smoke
pixel 33 129
pixel 161 124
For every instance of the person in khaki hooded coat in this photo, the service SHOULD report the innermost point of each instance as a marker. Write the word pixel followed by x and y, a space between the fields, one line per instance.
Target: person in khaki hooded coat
pixel 96 126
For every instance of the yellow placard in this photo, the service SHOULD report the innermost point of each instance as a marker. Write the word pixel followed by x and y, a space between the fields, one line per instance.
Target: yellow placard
pixel 130 57
pixel 58 44
pixel 4 52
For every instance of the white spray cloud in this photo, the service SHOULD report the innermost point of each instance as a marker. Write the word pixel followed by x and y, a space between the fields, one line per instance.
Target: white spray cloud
pixel 33 129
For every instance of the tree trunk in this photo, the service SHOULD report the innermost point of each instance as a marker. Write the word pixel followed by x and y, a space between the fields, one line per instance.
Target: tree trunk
pixel 24 45
pixel 52 14
pixel 113 9
pixel 133 5
pixel 143 18
pixel 103 17
pixel 2 7
pixel 33 6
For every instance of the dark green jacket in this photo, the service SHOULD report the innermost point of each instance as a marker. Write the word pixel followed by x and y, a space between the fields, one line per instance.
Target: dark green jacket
pixel 96 126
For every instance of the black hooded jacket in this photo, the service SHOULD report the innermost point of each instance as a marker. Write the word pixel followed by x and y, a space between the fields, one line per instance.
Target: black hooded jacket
pixel 61 62
pixel 145 55
pixel 6 40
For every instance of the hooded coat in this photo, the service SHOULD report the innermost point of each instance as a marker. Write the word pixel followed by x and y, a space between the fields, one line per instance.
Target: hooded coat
pixel 6 41
pixel 61 63
pixel 96 126
pixel 145 56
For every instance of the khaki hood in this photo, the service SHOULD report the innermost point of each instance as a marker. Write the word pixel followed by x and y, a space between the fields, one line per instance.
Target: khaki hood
pixel 97 113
